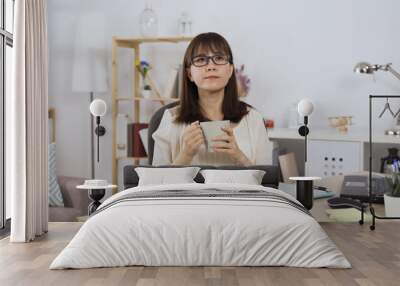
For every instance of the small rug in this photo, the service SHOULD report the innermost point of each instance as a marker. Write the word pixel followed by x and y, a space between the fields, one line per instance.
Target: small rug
pixel 347 215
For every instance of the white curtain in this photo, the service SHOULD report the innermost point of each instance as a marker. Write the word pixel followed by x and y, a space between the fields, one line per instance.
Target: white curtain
pixel 27 123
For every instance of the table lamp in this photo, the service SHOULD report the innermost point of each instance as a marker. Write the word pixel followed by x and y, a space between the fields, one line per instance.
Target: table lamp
pixel 367 68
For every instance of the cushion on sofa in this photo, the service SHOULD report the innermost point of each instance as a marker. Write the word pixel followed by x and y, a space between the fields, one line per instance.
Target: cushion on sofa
pixel 55 196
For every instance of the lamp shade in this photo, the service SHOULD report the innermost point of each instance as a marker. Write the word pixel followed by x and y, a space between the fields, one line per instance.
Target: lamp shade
pixel 90 54
pixel 305 107
pixel 98 107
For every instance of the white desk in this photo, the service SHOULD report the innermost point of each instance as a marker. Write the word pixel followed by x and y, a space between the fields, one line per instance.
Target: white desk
pixel 332 135
pixel 331 153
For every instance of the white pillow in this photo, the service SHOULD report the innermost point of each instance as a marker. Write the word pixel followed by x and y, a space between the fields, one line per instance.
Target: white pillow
pixel 248 177
pixel 164 176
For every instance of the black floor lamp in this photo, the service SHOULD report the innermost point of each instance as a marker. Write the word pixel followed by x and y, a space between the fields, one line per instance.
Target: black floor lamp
pixel 304 185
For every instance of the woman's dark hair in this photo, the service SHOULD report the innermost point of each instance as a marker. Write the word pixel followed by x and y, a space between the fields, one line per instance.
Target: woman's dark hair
pixel 189 108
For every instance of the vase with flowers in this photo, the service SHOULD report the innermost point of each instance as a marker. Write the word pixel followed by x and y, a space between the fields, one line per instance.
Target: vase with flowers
pixel 143 68
pixel 243 81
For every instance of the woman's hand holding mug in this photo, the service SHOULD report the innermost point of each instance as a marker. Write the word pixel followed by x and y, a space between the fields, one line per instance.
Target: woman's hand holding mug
pixel 227 144
pixel 192 138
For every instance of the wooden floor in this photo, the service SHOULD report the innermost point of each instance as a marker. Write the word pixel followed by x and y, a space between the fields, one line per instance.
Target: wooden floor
pixel 375 257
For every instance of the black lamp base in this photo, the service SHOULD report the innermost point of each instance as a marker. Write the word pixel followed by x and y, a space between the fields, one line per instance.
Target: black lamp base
pixel 96 195
pixel 304 193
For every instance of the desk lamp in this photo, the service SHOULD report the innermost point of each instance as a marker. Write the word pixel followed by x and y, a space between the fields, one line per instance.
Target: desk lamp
pixel 364 67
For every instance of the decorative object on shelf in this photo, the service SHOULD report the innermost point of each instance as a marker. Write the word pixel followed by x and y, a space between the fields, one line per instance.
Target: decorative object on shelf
pixel 148 23
pixel 185 25
pixel 143 68
pixel 305 107
pixel 121 136
pixel 90 63
pixel 146 93
pixel 97 190
pixel 341 123
pixel 98 108
pixel 269 123
pixel 243 81
pixel 371 207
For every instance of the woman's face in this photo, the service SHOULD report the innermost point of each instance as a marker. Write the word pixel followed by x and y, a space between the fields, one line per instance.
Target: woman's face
pixel 210 71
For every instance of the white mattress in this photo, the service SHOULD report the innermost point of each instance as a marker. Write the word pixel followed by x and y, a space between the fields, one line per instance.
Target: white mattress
pixel 200 231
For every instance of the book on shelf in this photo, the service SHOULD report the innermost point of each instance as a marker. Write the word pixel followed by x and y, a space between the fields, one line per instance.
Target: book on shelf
pixel 135 144
pixel 143 137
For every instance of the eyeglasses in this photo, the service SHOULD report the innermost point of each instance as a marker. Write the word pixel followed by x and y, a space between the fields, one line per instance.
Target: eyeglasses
pixel 201 61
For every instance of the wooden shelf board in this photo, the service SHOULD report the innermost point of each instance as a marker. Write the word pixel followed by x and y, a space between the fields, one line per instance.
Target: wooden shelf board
pixel 131 42
pixel 131 158
pixel 150 98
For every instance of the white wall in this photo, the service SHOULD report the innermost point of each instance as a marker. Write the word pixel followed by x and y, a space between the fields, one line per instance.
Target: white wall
pixel 291 49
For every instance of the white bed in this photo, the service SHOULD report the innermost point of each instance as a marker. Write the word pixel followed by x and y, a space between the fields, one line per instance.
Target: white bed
pixel 206 230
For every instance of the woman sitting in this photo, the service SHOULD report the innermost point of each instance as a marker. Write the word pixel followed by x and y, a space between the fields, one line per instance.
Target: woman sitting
pixel 209 93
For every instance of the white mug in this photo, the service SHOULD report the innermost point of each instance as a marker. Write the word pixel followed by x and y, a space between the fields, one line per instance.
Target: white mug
pixel 212 129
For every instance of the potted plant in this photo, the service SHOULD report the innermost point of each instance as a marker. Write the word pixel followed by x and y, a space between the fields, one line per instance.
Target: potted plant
pixel 143 67
pixel 392 199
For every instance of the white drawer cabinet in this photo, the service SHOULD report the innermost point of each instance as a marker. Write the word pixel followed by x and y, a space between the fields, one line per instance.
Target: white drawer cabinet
pixel 331 158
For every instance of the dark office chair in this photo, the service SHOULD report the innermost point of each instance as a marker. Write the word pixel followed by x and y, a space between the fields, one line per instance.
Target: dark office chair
pixel 153 126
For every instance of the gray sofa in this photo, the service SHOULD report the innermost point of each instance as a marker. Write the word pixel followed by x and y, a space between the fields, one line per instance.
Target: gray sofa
pixel 75 201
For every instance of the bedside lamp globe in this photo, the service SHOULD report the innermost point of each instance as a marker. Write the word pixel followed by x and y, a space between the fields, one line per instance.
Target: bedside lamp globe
pixel 305 107
pixel 98 107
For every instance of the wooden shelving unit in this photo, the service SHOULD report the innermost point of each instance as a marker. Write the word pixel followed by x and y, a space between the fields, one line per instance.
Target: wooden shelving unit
pixel 135 98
